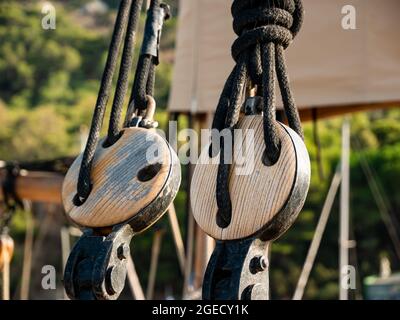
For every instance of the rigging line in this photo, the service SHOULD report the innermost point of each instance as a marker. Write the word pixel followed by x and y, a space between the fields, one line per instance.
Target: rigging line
pixel 319 231
pixel 155 257
pixel 384 197
pixel 379 199
pixel 133 280
pixel 27 256
pixel 176 233
pixel 353 257
pixel 84 180
pixel 190 226
pixel 124 72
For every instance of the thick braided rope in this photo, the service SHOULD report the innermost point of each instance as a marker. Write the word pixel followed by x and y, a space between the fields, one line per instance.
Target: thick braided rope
pixel 128 18
pixel 265 29
pixel 84 183
pixel 125 69
pixel 143 84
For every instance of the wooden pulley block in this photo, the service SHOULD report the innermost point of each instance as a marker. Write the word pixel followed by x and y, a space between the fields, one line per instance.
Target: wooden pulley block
pixel 6 249
pixel 133 181
pixel 266 199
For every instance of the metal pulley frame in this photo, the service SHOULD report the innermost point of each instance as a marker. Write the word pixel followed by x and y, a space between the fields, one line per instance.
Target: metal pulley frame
pixel 96 268
pixel 238 270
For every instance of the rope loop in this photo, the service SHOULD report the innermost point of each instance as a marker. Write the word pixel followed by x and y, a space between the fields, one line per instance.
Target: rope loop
pixel 125 26
pixel 265 28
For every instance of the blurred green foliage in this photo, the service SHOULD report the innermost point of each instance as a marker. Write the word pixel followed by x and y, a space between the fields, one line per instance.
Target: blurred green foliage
pixel 48 86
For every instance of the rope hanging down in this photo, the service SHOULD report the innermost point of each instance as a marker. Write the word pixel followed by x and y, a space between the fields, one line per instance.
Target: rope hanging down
pixel 265 29
pixel 127 19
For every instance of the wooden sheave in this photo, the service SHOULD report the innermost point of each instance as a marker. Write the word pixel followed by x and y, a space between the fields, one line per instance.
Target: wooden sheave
pixel 134 181
pixel 265 198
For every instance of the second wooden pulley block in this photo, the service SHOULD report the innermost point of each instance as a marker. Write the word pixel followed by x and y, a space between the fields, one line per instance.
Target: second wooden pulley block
pixel 133 181
pixel 266 199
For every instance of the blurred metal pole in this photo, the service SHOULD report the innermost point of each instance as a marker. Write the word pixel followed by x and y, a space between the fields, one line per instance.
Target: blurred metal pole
pixel 344 209
pixel 172 216
pixel 204 245
pixel 319 231
pixel 380 198
pixel 189 240
pixel 28 245
pixel 176 233
pixel 133 280
pixel 155 253
pixel 190 226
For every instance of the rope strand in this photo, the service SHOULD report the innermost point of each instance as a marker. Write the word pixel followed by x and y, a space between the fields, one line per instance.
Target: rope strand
pixel 143 84
pixel 125 68
pixel 270 130
pixel 289 104
pixel 84 184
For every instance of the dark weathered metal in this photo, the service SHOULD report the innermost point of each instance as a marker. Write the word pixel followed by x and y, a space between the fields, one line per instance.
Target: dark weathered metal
pixel 96 267
pixel 253 106
pixel 238 270
pixel 287 215
pixel 153 28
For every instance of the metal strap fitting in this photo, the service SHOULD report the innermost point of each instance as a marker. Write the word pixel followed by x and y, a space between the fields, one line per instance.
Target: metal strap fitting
pixel 96 267
pixel 153 27
pixel 253 106
pixel 238 270
pixel 146 121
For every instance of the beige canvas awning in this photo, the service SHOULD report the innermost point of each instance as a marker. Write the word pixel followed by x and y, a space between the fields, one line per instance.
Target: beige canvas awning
pixel 332 69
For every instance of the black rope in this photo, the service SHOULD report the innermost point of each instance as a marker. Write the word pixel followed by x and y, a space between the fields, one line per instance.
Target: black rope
pixel 128 18
pixel 143 85
pixel 84 183
pixel 265 29
pixel 126 65
pixel 139 91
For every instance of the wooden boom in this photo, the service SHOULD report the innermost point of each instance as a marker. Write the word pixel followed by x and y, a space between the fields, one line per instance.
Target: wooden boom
pixel 37 186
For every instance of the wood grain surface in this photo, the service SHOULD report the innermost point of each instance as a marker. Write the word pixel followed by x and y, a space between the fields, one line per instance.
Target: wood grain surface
pixel 121 188
pixel 256 197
